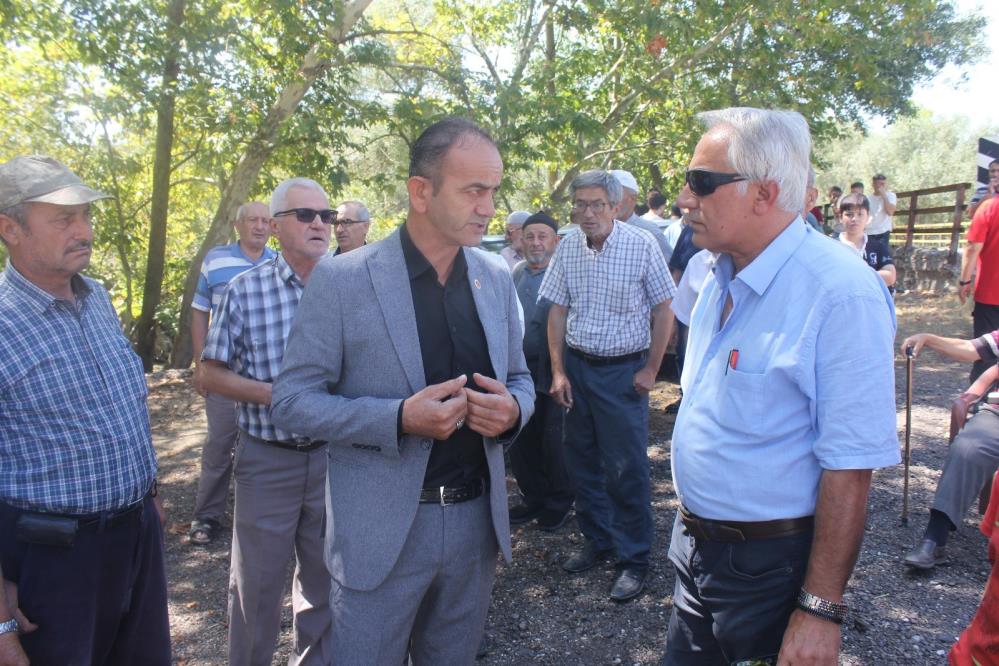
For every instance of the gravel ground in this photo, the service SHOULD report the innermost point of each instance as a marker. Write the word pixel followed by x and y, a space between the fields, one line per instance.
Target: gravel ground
pixel 540 615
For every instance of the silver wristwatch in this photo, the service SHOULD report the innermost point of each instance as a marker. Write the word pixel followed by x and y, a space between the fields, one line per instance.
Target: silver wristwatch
pixel 9 626
pixel 820 607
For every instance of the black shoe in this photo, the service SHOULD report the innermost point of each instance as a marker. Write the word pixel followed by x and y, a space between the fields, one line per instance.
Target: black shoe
pixel 552 519
pixel 524 513
pixel 587 558
pixel 926 555
pixel 629 583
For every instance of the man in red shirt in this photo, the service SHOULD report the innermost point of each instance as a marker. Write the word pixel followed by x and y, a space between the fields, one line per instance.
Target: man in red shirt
pixel 980 267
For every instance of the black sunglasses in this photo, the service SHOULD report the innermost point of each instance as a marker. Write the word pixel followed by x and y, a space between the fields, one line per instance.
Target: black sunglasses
pixel 307 215
pixel 702 182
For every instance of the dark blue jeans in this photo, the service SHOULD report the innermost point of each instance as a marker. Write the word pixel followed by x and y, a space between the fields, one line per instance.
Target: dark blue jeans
pixel 101 601
pixel 732 601
pixel 606 436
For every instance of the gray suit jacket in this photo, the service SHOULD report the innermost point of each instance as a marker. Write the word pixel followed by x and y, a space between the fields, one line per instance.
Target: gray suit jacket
pixel 353 355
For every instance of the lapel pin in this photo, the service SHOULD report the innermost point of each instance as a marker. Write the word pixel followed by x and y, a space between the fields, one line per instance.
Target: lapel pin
pixel 477 284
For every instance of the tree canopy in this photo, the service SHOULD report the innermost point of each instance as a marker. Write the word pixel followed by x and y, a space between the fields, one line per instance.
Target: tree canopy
pixel 337 91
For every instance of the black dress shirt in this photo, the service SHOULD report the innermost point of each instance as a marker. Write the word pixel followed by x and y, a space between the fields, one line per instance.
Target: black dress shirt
pixel 452 343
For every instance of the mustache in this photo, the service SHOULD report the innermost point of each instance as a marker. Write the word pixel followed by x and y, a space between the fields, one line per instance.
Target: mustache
pixel 82 245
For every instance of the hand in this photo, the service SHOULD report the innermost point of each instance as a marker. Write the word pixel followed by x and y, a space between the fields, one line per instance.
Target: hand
pixel 965 291
pixel 809 641
pixel 160 509
pixel 198 379
pixel 436 410
pixel 11 653
pixel 561 390
pixel 492 413
pixel 644 380
pixel 916 341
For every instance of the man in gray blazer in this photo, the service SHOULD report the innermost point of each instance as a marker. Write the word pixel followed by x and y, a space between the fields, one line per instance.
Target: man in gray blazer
pixel 406 357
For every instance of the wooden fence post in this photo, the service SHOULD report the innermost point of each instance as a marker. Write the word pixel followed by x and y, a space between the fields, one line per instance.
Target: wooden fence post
pixel 955 234
pixel 910 224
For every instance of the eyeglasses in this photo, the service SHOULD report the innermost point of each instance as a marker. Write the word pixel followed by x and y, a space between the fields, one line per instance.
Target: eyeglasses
pixel 346 222
pixel 703 182
pixel 596 206
pixel 307 215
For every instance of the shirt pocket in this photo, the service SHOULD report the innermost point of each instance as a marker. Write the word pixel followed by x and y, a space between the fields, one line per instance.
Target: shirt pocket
pixel 744 401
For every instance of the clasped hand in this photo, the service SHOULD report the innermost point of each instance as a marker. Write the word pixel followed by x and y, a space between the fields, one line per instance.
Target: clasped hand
pixel 440 409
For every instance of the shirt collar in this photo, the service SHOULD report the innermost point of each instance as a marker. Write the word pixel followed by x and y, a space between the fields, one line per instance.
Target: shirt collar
pixel 284 270
pixel 39 299
pixel 761 271
pixel 417 264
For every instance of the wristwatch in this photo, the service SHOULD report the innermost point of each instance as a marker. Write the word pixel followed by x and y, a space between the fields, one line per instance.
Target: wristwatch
pixel 964 283
pixel 820 607
pixel 9 626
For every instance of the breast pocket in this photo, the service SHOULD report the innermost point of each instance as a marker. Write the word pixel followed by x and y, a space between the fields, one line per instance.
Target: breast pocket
pixel 743 401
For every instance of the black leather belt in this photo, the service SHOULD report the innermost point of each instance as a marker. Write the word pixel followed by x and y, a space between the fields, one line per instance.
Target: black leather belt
pixel 308 445
pixel 607 360
pixel 444 495
pixel 729 531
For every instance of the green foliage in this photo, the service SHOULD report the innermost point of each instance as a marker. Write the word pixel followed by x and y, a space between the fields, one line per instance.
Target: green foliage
pixel 563 85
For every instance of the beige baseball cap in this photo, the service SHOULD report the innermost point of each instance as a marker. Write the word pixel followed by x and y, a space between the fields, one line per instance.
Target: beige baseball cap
pixel 38 178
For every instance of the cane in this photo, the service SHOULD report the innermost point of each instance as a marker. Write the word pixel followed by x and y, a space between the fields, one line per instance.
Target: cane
pixel 908 429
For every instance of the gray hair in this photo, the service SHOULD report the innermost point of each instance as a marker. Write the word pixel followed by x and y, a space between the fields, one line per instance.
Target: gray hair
pixel 362 210
pixel 767 145
pixel 598 178
pixel 279 200
pixel 241 211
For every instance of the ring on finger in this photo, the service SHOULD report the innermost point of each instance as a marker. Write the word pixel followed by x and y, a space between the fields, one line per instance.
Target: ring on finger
pixel 459 423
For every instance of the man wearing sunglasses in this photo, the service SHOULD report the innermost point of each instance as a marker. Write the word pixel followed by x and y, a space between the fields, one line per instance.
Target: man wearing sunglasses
pixel 221 264
pixel 790 335
pixel 407 356
pixel 351 226
pixel 605 282
pixel 280 473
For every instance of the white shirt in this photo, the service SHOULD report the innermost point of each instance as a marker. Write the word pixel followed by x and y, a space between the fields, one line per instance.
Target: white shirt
pixel 698 269
pixel 880 220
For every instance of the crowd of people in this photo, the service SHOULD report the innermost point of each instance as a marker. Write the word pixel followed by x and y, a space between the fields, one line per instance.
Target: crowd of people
pixel 363 400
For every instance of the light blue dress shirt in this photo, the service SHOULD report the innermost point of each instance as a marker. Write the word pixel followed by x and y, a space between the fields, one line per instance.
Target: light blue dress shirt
pixel 813 386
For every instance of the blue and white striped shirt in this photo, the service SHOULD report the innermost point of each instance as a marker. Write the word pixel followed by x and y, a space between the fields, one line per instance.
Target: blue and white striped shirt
pixel 609 293
pixel 221 265
pixel 249 332
pixel 74 426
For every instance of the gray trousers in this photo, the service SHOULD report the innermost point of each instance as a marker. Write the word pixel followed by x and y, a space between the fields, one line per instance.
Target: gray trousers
pixel 280 508
pixel 216 458
pixel 435 600
pixel 971 460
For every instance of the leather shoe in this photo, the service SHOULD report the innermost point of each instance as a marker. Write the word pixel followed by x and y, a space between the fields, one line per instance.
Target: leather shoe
pixel 926 555
pixel 587 558
pixel 552 519
pixel 524 513
pixel 629 584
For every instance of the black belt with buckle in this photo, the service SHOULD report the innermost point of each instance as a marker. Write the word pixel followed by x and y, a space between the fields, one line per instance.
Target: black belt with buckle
pixel 304 447
pixel 607 360
pixel 730 531
pixel 455 495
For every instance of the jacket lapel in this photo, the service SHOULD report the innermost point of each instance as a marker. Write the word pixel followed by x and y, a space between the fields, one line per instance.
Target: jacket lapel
pixel 390 280
pixel 492 310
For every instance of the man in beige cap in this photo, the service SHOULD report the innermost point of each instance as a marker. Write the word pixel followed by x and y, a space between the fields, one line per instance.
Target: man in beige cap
pixel 82 546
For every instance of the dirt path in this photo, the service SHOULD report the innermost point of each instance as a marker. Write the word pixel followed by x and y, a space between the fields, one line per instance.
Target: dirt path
pixel 539 615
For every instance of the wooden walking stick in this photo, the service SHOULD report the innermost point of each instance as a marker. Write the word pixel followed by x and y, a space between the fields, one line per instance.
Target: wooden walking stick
pixel 908 429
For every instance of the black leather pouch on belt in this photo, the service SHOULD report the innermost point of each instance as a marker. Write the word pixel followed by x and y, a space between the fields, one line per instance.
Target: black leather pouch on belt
pixel 46 530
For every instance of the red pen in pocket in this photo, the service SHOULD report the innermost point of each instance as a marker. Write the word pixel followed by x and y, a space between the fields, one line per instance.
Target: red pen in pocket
pixel 733 360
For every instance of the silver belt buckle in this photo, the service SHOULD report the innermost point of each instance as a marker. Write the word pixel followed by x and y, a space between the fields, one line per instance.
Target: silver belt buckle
pixel 443 503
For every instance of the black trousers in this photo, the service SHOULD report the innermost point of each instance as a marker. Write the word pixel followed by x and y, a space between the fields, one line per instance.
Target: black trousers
pixel 100 601
pixel 985 319
pixel 537 460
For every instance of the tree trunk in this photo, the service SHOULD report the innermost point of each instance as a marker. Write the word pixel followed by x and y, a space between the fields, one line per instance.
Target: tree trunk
pixel 145 328
pixel 260 147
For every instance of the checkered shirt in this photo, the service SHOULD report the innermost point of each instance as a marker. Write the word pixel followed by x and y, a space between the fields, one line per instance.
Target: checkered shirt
pixel 609 293
pixel 74 427
pixel 222 264
pixel 249 332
